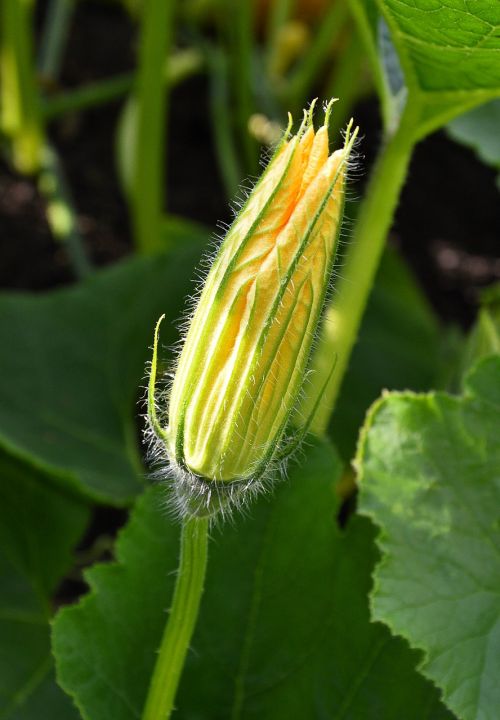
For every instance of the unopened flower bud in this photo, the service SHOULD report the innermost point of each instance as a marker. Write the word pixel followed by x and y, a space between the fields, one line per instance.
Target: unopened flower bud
pixel 247 350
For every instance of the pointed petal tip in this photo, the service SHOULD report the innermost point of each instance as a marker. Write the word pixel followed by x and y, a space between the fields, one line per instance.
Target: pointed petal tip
pixel 328 111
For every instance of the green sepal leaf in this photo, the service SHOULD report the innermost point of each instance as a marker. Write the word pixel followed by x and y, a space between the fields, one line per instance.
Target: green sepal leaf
pixel 38 528
pixel 284 628
pixel 430 479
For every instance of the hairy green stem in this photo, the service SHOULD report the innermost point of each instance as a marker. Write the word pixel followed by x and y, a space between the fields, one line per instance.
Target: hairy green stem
pixel 148 182
pixel 343 316
pixel 182 620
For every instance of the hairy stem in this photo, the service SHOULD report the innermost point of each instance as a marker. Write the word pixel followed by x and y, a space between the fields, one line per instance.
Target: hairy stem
pixel 182 620
pixel 343 316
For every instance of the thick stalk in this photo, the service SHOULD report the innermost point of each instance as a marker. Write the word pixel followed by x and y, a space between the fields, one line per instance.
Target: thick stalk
pixel 182 620
pixel 149 176
pixel 343 316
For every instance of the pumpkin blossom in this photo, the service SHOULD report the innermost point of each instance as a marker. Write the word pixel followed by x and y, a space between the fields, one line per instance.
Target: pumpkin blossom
pixel 245 357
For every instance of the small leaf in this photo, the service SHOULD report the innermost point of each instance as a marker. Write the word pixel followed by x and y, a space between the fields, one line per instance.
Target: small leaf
pixel 38 528
pixel 284 628
pixel 71 366
pixel 430 478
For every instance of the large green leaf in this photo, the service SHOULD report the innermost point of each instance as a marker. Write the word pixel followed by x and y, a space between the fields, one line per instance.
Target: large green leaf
pixel 448 53
pixel 398 349
pixel 284 629
pixel 71 365
pixel 38 529
pixel 447 47
pixel 430 478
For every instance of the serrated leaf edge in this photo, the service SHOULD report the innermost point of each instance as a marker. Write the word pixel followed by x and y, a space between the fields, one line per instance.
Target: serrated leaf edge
pixel 468 393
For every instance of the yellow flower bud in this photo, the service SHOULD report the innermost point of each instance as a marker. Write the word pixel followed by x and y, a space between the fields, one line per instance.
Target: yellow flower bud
pixel 247 350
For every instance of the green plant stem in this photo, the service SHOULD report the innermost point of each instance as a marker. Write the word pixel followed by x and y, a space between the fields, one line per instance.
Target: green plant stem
pixel 148 182
pixel 61 215
pixel 179 66
pixel 343 316
pixel 19 100
pixel 54 36
pixel 227 155
pixel 278 15
pixel 239 27
pixel 182 620
pixel 301 80
pixel 346 81
pixel 90 95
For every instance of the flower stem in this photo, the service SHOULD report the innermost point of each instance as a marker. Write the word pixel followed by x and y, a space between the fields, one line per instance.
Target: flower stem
pixel 182 620
pixel 343 316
